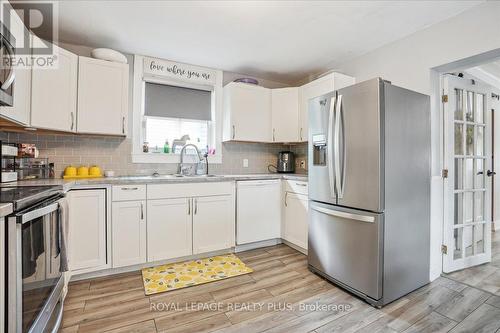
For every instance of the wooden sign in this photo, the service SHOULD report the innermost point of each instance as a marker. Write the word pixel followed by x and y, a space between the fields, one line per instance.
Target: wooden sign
pixel 180 71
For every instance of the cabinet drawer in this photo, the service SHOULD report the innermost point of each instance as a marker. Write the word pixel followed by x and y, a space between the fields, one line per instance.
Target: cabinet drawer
pixel 296 186
pixel 168 191
pixel 129 192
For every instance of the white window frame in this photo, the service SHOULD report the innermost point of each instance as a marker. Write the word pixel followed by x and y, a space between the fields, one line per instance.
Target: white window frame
pixel 140 78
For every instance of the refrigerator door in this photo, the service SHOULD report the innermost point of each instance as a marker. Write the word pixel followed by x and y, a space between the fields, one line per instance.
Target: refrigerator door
pixel 346 247
pixel 358 143
pixel 321 155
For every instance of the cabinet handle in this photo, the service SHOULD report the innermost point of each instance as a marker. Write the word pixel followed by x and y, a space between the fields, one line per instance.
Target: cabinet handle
pixel 299 184
pixel 72 120
pixel 123 125
pixel 189 206
pixel 274 136
pixel 286 195
pixel 142 211
pixel 130 188
pixel 300 134
pixel 195 206
pixel 234 132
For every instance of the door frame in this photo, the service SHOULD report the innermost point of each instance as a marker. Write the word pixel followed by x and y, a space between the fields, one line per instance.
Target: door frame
pixel 449 263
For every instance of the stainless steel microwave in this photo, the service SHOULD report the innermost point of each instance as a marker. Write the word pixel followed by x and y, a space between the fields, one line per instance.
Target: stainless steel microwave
pixel 7 74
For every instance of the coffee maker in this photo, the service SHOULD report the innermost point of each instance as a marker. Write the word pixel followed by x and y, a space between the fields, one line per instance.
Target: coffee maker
pixel 286 162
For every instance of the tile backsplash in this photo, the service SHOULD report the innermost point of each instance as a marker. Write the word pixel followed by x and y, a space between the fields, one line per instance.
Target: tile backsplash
pixel 113 153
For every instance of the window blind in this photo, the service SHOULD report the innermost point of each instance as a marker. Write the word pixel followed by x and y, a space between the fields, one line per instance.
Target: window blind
pixel 177 102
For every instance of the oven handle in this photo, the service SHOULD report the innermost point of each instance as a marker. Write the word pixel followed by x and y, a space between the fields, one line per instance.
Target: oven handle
pixel 10 78
pixel 33 214
pixel 57 325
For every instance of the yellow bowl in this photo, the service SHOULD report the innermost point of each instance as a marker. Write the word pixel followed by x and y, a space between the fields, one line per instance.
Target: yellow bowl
pixel 95 171
pixel 70 171
pixel 82 171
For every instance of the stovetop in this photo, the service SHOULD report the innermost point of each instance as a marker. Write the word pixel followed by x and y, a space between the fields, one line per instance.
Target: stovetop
pixel 25 196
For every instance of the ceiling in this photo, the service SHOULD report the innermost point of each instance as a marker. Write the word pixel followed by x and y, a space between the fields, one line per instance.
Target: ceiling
pixel 284 41
pixel 488 73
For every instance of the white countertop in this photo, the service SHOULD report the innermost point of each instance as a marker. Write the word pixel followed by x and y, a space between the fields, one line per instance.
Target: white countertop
pixel 5 209
pixel 67 184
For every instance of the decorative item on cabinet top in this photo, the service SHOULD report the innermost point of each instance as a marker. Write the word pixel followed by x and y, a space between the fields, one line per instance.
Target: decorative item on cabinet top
pixel 72 172
pixel 108 54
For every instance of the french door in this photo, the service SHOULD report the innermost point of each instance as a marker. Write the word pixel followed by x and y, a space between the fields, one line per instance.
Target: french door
pixel 467 187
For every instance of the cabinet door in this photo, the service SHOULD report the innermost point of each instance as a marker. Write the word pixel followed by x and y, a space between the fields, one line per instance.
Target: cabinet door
pixel 102 96
pixel 87 229
pixel 249 110
pixel 19 112
pixel 53 94
pixel 295 224
pixel 318 87
pixel 258 211
pixel 129 233
pixel 285 114
pixel 169 228
pixel 213 223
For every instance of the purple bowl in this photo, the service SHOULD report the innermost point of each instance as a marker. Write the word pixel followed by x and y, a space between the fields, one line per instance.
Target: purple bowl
pixel 247 80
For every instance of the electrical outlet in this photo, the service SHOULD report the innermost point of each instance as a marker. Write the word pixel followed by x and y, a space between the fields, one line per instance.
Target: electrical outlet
pixel 302 164
pixel 245 162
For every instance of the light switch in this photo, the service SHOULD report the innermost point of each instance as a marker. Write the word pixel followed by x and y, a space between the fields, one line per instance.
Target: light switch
pixel 245 162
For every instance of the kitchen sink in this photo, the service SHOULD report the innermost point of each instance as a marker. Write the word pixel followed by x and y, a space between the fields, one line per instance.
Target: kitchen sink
pixel 195 176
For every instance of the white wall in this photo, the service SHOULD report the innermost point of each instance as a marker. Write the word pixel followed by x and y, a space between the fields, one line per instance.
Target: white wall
pixel 408 63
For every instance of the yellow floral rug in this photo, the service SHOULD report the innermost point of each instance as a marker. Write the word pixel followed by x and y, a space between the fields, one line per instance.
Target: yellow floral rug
pixel 190 273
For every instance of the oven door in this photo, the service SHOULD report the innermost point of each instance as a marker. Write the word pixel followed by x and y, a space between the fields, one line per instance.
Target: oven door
pixel 34 279
pixel 7 73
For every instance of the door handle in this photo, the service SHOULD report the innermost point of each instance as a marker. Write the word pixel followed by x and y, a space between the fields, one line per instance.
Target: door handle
pixel 300 135
pixel 195 206
pixel 357 217
pixel 72 120
pixel 189 206
pixel 129 188
pixel 142 211
pixel 234 132
pixel 338 179
pixel 286 195
pixel 490 173
pixel 329 143
pixel 274 136
pixel 123 125
pixel 12 74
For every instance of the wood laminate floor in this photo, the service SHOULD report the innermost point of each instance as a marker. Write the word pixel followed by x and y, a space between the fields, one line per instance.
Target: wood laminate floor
pixel 281 295
pixel 485 277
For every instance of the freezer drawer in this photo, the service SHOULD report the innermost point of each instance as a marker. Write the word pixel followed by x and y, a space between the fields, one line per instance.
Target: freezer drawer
pixel 346 245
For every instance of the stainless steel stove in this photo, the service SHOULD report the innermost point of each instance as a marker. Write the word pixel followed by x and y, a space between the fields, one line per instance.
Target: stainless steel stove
pixel 35 280
pixel 24 196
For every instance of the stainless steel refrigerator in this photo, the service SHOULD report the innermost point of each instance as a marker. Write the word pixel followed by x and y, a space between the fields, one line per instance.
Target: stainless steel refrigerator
pixel 369 189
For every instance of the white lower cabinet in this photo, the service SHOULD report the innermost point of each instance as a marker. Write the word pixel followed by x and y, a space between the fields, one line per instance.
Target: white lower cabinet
pixel 169 228
pixel 87 229
pixel 295 221
pixel 129 233
pixel 213 223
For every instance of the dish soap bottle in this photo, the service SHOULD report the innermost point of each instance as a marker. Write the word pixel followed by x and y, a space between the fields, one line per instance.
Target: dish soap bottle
pixel 166 148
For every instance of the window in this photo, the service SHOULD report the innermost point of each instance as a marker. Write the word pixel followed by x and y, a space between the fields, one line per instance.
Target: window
pixel 177 115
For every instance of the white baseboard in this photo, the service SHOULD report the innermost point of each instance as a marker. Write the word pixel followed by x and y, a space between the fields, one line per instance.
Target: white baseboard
pixel 75 276
pixel 257 245
pixel 127 269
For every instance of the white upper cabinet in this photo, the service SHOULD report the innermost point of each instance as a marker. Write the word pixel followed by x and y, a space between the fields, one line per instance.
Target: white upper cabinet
pixel 247 113
pixel 102 97
pixel 20 111
pixel 53 94
pixel 285 114
pixel 318 87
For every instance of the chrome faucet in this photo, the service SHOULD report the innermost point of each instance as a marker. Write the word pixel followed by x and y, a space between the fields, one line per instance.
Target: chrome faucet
pixel 189 170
